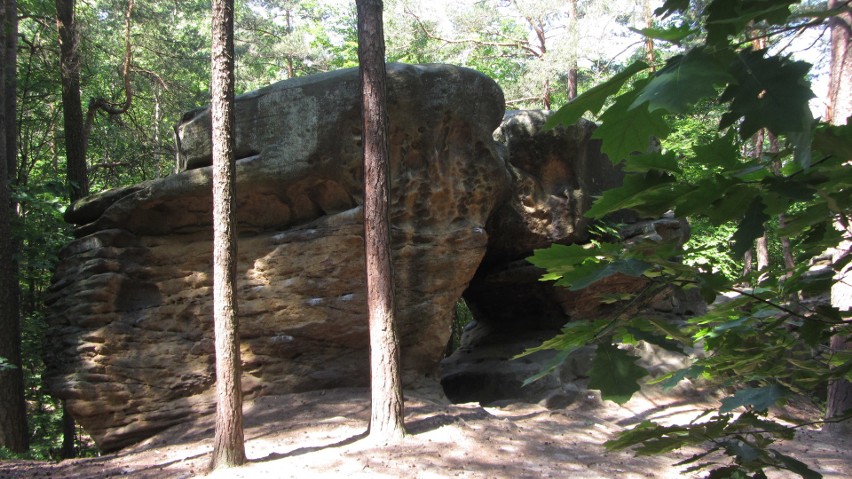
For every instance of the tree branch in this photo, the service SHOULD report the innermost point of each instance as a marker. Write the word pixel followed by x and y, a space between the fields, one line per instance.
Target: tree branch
pixel 102 103
pixel 520 44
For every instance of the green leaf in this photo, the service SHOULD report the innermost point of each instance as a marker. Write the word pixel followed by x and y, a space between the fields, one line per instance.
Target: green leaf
pixel 590 273
pixel 615 373
pixel 758 398
pixel 673 34
pixel 670 330
pixel 743 451
pixel 631 193
pixel 626 129
pixel 550 365
pixel 683 81
pixel 574 335
pixel 652 161
pixel 672 379
pixel 730 17
pixel 834 140
pixel 722 152
pixel 729 206
pixel 656 339
pixel 593 99
pixel 794 465
pixel 558 258
pixel 768 92
pixel 640 433
pixel 750 228
pixel 672 6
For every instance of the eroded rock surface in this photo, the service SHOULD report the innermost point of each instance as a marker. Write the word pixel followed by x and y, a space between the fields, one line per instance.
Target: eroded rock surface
pixel 131 346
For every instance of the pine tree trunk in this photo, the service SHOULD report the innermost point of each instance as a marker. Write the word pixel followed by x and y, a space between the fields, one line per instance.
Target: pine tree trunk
pixel 11 89
pixel 386 420
pixel 573 38
pixel 69 434
pixel 839 109
pixel 72 108
pixel 228 445
pixel 13 418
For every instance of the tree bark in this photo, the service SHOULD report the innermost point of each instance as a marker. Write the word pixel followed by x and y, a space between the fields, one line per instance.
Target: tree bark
pixel 839 109
pixel 69 434
pixel 11 89
pixel 72 108
pixel 650 56
pixel 386 419
pixel 228 445
pixel 572 69
pixel 763 253
pixel 13 418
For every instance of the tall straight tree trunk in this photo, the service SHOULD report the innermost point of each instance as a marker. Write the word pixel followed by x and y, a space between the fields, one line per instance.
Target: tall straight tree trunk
pixel 11 89
pixel 13 418
pixel 839 109
pixel 573 38
pixel 72 108
pixel 228 445
pixel 386 419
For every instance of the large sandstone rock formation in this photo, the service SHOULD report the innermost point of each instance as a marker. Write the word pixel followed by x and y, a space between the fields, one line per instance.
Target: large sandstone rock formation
pixel 131 345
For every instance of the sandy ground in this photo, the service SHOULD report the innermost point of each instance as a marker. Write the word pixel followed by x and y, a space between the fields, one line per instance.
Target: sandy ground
pixel 321 434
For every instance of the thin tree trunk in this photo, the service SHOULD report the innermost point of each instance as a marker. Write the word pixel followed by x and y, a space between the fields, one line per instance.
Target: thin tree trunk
pixel 386 420
pixel 76 170
pixel 649 42
pixel 839 109
pixel 69 434
pixel 762 253
pixel 228 445
pixel 13 418
pixel 11 89
pixel 572 37
pixel 72 108
pixel 748 264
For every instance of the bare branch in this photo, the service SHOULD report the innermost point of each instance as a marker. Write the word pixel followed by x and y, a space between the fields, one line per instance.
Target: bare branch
pixel 520 44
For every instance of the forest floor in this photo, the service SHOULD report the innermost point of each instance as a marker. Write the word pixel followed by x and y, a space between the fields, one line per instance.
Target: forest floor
pixel 321 434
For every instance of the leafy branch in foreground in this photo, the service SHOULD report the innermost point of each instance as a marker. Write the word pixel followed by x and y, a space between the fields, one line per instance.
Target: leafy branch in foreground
pixel 766 339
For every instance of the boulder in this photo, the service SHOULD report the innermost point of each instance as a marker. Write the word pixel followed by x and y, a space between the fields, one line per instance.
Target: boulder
pixel 130 341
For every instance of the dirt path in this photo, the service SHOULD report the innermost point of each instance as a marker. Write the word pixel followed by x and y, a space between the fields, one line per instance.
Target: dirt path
pixel 321 435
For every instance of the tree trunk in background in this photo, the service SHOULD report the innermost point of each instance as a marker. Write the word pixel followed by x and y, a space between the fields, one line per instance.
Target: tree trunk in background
pixel 839 109
pixel 228 445
pixel 762 253
pixel 386 419
pixel 69 434
pixel 11 89
pixel 72 108
pixel 572 70
pixel 649 42
pixel 13 417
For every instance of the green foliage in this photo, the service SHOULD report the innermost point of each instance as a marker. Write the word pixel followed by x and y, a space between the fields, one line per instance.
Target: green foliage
pixel 615 373
pixel 461 318
pixel 761 342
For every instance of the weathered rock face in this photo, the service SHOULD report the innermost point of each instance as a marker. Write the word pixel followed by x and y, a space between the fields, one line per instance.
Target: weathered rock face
pixel 131 345
pixel 556 176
